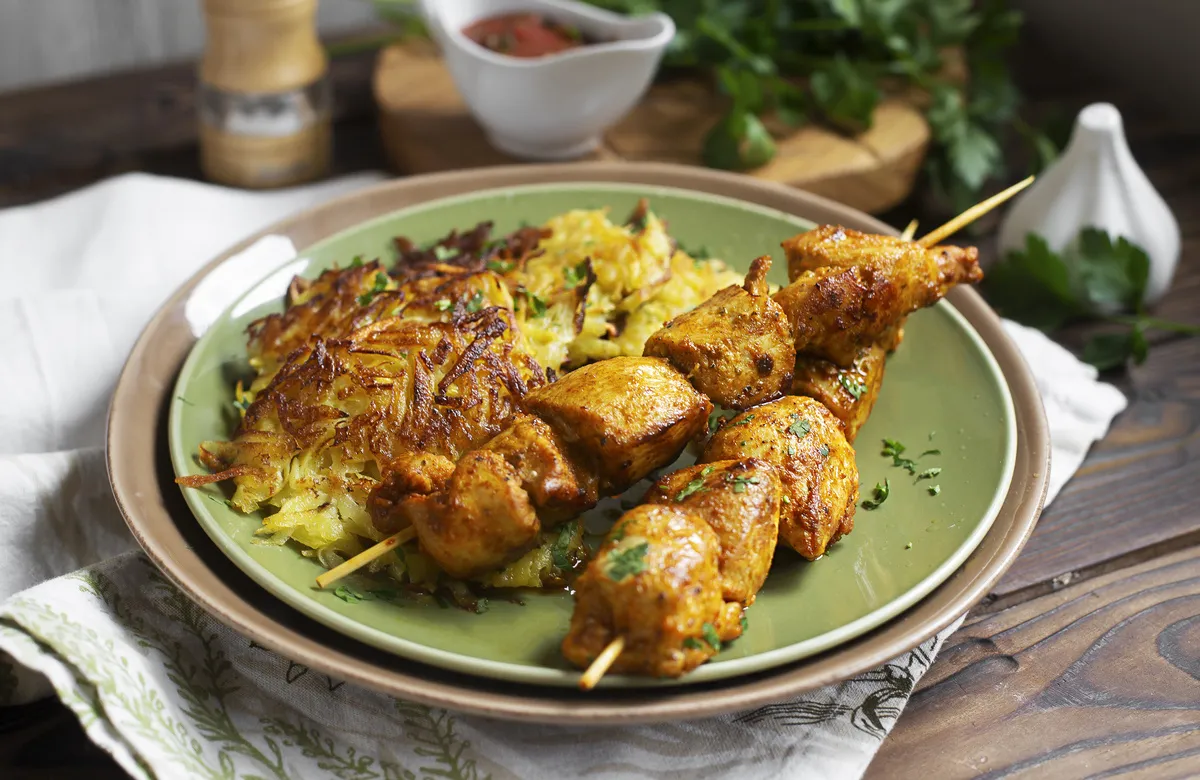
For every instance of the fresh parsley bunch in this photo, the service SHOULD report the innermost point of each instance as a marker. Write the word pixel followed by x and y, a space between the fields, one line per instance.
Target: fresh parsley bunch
pixel 1094 279
pixel 829 61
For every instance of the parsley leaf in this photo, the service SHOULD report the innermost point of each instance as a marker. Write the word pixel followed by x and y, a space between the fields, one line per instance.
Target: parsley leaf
pixel 348 595
pixel 851 385
pixel 501 266
pixel 535 304
pixel 378 285
pixel 560 552
pixel 879 495
pixel 710 636
pixel 929 473
pixel 476 302
pixel 577 275
pixel 357 261
pixel 444 252
pixel 625 563
pixel 1094 278
pixel 799 427
pixel 739 483
pixel 934 489
pixel 442 304
pixel 695 486
pixel 738 142
pixel 692 643
pixel 845 94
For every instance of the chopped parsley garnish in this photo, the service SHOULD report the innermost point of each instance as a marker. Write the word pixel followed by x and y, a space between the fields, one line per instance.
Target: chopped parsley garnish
pixel 929 473
pixel 378 286
pixel 444 252
pixel 501 266
pixel 739 483
pixel 692 643
pixel 799 427
pixel 894 449
pixel 743 421
pixel 934 489
pixel 616 534
pixel 710 636
pixel 745 622
pixel 476 302
pixel 785 500
pixel 881 493
pixel 930 452
pixel 348 595
pixel 241 404
pixel 791 450
pixel 442 304
pixel 852 385
pixel 824 450
pixel 537 306
pixel 356 262
pixel 576 275
pixel 623 564
pixel 560 552
pixel 695 486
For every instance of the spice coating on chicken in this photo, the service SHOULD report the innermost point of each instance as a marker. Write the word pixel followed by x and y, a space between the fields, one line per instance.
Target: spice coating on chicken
pixel 656 583
pixel 736 347
pixel 804 442
pixel 835 310
pixel 631 414
pixel 560 484
pixel 849 393
pixel 740 501
pixel 481 521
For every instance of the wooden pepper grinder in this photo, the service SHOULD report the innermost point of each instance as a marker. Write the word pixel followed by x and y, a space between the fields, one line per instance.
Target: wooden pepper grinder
pixel 264 98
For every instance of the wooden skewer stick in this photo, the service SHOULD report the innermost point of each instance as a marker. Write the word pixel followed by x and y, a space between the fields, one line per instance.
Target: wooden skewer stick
pixel 603 661
pixel 971 214
pixel 909 231
pixel 366 556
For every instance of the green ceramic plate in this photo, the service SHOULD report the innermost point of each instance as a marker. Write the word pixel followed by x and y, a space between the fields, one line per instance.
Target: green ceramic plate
pixel 943 392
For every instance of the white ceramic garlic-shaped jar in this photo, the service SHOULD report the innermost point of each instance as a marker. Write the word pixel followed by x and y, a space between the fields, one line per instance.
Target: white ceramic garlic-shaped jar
pixel 1096 183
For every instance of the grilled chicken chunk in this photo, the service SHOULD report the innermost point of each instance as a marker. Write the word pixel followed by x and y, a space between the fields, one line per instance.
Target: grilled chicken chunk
pixel 631 414
pixel 736 347
pixel 558 485
pixel 835 309
pixel 804 442
pixel 656 583
pixel 849 393
pixel 481 521
pixel 740 500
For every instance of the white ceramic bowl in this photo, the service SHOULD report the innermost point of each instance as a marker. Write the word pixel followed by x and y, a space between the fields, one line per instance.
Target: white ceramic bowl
pixel 554 107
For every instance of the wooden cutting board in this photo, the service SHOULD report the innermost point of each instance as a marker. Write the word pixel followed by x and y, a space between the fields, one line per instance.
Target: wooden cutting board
pixel 426 128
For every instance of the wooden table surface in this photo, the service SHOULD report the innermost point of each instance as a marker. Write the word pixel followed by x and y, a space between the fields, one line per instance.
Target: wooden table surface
pixel 1084 661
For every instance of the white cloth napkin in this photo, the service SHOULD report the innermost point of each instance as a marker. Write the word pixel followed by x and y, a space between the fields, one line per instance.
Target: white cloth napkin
pixel 169 691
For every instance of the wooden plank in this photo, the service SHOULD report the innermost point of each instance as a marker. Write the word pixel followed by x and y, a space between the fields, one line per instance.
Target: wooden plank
pixel 1134 495
pixel 1097 678
pixel 426 127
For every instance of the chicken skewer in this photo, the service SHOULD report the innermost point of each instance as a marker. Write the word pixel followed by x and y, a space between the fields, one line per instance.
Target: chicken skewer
pixel 818 535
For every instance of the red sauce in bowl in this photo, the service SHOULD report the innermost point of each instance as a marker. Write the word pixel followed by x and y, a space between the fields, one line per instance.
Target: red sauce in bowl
pixel 523 35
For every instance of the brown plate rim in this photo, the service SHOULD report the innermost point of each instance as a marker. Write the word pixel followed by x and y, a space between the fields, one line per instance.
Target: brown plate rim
pixel 141 479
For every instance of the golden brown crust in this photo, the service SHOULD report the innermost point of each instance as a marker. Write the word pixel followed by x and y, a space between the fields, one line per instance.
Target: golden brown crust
pixel 631 414
pixel 740 500
pixel 849 393
pixel 560 484
pixel 656 583
pixel 736 347
pixel 481 521
pixel 850 288
pixel 814 462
